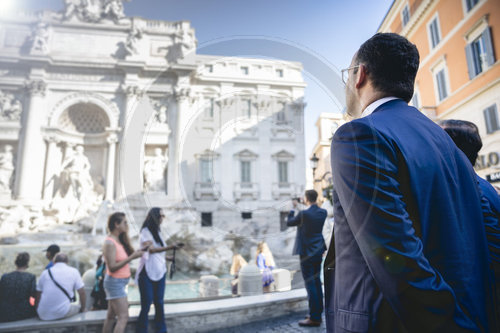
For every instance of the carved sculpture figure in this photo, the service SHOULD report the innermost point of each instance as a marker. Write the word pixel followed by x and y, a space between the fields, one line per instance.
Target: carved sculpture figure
pixel 40 39
pixel 132 39
pixel 113 9
pixel 71 8
pixel 187 42
pixel 160 114
pixel 10 107
pixel 93 10
pixel 75 194
pixel 154 171
pixel 6 169
pixel 76 173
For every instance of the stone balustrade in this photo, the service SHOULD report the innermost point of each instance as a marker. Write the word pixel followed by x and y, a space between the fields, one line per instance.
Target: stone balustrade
pixel 201 316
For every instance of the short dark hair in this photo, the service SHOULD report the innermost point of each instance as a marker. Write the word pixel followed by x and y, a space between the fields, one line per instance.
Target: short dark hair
pixel 391 63
pixel 465 135
pixel 22 259
pixel 311 195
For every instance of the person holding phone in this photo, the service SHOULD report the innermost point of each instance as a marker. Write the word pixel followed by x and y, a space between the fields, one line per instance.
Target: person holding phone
pixel 118 253
pixel 150 275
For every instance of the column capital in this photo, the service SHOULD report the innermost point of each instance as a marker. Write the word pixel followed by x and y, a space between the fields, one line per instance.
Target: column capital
pixel 112 138
pixel 132 90
pixel 182 93
pixel 226 102
pixel 51 138
pixel 36 87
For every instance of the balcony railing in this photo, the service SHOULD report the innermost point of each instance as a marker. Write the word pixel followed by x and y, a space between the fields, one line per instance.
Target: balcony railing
pixel 206 191
pixel 246 191
pixel 284 190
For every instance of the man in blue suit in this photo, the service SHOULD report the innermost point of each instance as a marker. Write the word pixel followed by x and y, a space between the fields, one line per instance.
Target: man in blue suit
pixel 409 251
pixel 310 246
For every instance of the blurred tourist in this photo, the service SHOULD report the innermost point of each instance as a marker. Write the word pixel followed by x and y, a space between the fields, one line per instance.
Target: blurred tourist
pixel 152 270
pixel 56 291
pixel 16 289
pixel 310 246
pixel 98 293
pixel 265 262
pixel 117 253
pixel 238 263
pixel 50 254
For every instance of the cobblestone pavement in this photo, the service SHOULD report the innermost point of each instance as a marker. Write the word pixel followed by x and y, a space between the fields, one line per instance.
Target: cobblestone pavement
pixel 288 323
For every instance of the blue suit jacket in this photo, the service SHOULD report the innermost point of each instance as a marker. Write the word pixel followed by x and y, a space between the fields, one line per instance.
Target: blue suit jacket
pixel 309 240
pixel 409 250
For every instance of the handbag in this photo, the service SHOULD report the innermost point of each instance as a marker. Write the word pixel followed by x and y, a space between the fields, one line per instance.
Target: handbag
pixel 71 299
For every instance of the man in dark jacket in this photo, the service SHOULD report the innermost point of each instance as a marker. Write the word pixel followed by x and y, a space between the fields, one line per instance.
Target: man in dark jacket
pixel 310 246
pixel 409 252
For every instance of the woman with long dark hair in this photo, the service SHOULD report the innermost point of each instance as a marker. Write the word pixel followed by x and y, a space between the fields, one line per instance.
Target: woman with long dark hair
pixel 117 253
pixel 152 271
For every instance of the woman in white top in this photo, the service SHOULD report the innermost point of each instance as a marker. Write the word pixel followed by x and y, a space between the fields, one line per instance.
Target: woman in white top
pixel 152 271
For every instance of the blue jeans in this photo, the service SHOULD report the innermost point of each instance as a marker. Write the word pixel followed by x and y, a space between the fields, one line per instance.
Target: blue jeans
pixel 151 291
pixel 311 270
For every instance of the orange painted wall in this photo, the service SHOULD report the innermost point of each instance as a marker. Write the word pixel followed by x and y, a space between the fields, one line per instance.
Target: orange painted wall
pixel 450 14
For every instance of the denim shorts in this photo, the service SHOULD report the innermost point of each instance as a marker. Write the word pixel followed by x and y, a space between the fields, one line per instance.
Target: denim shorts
pixel 115 288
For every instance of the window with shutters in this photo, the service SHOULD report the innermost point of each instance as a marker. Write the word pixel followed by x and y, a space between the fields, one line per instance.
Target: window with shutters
pixel 405 15
pixel 469 4
pixel 415 100
pixel 479 52
pixel 434 31
pixel 246 108
pixel 206 173
pixel 491 119
pixel 283 172
pixel 210 108
pixel 441 85
pixel 441 81
pixel 245 174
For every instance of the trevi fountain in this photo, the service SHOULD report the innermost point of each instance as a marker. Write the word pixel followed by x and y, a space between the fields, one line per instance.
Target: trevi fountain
pixel 100 112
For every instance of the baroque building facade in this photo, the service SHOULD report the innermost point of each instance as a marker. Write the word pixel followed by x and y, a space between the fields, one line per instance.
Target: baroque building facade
pixel 97 107
pixel 458 78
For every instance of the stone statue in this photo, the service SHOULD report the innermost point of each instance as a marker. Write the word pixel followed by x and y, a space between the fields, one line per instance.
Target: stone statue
pixel 132 39
pixel 75 195
pixel 154 172
pixel 10 107
pixel 113 9
pixel 72 8
pixel 6 169
pixel 40 39
pixel 160 111
pixel 76 173
pixel 93 10
pixel 187 42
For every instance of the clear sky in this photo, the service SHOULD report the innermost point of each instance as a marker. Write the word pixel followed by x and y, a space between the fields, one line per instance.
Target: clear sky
pixel 325 33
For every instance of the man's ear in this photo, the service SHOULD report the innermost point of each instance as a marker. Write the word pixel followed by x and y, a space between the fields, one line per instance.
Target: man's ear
pixel 361 76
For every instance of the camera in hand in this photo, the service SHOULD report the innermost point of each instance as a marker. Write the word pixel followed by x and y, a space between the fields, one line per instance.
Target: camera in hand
pixel 299 200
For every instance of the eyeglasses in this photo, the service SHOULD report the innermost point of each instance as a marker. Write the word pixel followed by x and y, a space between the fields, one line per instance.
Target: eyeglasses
pixel 345 73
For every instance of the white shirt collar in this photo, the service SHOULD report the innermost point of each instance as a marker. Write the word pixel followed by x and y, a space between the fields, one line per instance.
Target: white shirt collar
pixel 373 106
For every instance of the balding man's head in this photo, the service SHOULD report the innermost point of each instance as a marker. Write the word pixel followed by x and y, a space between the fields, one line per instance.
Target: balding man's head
pixel 61 257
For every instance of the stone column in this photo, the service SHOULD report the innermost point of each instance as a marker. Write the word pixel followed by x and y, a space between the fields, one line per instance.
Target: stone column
pixel 174 162
pixel 127 168
pixel 110 171
pixel 31 153
pixel 50 166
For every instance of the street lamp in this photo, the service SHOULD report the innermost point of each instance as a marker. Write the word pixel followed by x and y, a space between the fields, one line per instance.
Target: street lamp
pixel 314 164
